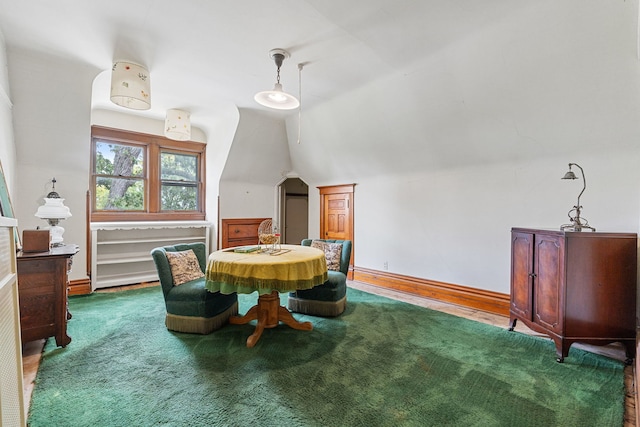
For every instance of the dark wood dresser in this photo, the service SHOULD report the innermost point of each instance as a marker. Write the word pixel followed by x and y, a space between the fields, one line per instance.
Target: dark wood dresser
pixel 575 286
pixel 240 232
pixel 42 291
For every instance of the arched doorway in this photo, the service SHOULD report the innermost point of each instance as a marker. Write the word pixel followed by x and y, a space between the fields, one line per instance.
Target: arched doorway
pixel 294 210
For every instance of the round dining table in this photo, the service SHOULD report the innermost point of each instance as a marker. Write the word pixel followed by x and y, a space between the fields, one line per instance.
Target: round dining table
pixel 290 268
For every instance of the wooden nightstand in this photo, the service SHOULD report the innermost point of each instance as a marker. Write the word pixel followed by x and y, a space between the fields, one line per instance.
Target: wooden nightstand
pixel 42 291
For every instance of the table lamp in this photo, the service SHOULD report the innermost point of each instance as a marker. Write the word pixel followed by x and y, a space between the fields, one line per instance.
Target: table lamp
pixel 576 222
pixel 53 211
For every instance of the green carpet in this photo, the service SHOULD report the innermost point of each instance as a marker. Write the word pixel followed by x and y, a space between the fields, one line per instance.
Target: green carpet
pixel 382 363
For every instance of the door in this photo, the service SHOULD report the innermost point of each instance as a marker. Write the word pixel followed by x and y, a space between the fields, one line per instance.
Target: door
pixel 336 216
pixel 297 218
pixel 521 275
pixel 548 272
pixel 293 212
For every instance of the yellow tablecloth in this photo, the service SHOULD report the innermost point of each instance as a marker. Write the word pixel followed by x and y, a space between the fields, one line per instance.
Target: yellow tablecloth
pixel 297 267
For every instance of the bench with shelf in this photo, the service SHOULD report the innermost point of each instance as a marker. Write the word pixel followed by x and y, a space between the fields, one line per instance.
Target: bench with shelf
pixel 121 251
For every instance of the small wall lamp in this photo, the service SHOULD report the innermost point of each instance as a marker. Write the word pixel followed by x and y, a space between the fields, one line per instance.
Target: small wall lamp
pixel 576 222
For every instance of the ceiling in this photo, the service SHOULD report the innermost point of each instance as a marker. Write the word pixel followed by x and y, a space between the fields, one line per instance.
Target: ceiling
pixel 204 56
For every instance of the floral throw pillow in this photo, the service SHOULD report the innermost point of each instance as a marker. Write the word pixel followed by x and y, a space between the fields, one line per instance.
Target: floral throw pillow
pixel 332 252
pixel 184 266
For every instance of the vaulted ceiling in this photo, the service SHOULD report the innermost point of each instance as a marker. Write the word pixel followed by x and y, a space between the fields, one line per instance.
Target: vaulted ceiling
pixel 204 56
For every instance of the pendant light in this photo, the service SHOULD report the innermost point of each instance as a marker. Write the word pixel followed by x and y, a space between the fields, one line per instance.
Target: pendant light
pixel 130 86
pixel 177 125
pixel 277 98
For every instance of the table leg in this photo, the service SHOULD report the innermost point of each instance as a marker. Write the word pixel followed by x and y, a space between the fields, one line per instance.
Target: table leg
pixel 252 314
pixel 269 314
pixel 287 318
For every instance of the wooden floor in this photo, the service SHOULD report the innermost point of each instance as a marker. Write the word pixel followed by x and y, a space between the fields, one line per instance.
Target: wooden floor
pixel 33 350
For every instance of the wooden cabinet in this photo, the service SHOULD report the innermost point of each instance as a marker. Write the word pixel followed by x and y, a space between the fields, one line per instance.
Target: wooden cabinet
pixel 240 232
pixel 575 286
pixel 42 288
pixel 121 251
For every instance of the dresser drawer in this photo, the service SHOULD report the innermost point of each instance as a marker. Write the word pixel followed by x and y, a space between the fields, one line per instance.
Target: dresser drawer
pixel 240 231
pixel 39 273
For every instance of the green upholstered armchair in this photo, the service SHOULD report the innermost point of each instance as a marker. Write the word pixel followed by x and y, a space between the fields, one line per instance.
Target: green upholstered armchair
pixel 190 306
pixel 330 298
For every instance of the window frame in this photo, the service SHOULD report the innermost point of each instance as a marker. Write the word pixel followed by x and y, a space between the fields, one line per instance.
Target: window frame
pixel 153 146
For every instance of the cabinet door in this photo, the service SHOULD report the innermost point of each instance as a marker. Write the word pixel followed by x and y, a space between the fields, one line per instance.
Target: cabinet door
pixel 548 294
pixel 521 274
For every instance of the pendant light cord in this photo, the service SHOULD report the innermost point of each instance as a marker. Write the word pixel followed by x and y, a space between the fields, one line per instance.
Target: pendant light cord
pixel 299 99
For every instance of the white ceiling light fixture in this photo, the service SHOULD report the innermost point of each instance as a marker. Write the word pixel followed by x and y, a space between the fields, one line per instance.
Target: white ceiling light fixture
pixel 130 85
pixel 277 98
pixel 177 125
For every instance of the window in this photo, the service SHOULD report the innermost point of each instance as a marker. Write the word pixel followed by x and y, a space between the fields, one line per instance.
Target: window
pixel 179 181
pixel 145 177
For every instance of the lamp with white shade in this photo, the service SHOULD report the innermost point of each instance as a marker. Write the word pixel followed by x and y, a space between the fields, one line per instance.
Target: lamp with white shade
pixel 177 125
pixel 130 85
pixel 53 211
pixel 277 98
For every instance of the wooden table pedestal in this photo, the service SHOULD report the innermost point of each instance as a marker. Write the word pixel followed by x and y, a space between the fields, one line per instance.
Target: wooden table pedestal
pixel 269 314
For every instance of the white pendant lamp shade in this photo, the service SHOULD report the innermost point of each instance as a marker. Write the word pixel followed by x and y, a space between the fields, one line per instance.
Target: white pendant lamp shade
pixel 130 86
pixel 277 98
pixel 177 125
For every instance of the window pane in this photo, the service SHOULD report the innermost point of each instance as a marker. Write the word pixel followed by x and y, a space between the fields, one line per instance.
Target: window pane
pixel 179 198
pixel 119 160
pixel 119 194
pixel 178 167
pixel 179 175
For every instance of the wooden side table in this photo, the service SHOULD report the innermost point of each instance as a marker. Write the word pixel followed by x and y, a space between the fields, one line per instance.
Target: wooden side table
pixel 42 290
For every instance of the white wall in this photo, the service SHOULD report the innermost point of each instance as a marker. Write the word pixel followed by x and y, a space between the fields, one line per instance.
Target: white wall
pixel 257 162
pixel 51 115
pixel 220 137
pixel 449 155
pixel 7 146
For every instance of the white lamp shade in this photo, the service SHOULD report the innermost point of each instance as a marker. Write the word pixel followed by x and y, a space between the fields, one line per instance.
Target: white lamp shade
pixel 53 209
pixel 130 86
pixel 177 125
pixel 277 99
